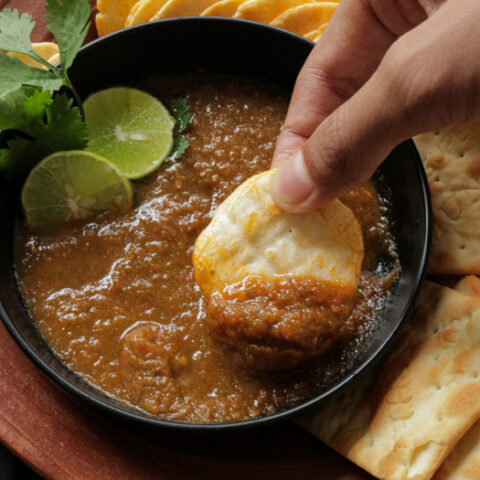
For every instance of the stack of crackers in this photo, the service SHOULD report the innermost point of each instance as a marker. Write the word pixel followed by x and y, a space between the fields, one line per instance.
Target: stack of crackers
pixel 418 416
pixel 303 17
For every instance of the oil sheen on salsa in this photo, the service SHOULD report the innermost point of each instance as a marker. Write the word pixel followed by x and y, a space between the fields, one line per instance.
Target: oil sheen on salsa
pixel 115 296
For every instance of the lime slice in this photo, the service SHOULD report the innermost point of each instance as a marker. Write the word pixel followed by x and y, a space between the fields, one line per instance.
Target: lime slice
pixel 72 185
pixel 131 128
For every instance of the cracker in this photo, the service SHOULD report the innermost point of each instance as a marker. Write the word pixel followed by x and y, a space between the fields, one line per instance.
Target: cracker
pixel 463 463
pixel 452 162
pixel 143 11
pixel 404 423
pixel 250 236
pixel 224 8
pixel 112 15
pixel 305 18
pixel 182 8
pixel 264 11
pixel 312 34
pixel 46 50
pixel 469 285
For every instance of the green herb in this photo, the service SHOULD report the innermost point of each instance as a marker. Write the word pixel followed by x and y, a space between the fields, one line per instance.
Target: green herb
pixel 180 111
pixel 66 20
pixel 47 125
pixel 37 120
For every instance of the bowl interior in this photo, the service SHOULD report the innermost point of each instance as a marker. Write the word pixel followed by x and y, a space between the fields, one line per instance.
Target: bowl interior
pixel 231 47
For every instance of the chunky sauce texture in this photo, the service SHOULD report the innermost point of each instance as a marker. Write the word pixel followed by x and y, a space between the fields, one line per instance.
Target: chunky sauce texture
pixel 115 297
pixel 277 325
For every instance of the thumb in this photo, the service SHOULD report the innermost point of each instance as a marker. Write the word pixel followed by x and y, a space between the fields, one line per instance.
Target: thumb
pixel 344 150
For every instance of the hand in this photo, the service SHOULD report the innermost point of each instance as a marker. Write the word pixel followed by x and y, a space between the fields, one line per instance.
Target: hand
pixel 383 71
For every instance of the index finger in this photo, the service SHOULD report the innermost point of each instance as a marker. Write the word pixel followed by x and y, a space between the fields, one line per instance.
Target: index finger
pixel 344 58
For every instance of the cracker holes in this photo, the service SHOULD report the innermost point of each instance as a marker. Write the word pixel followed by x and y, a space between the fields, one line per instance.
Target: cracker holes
pixel 462 247
pixel 438 386
pixel 475 374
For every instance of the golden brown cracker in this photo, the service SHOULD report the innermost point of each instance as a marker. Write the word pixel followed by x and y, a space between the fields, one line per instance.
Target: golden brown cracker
pixel 224 8
pixel 451 158
pixel 251 236
pixel 47 50
pixel 425 397
pixel 264 11
pixel 143 11
pixel 182 8
pixel 112 15
pixel 305 18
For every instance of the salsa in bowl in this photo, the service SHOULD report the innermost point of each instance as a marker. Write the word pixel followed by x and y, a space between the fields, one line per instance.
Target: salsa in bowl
pixel 109 306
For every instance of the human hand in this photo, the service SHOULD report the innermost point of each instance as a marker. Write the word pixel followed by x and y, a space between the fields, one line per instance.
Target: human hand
pixel 383 71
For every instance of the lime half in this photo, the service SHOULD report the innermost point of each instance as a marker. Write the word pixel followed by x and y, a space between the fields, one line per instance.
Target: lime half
pixel 73 185
pixel 129 127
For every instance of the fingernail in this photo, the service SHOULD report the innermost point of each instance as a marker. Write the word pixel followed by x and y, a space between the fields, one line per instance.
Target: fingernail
pixel 291 183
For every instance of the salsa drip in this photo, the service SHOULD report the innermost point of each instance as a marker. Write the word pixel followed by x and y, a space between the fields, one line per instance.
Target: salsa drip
pixel 279 324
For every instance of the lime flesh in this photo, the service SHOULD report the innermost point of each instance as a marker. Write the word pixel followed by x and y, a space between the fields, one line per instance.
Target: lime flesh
pixel 129 127
pixel 73 185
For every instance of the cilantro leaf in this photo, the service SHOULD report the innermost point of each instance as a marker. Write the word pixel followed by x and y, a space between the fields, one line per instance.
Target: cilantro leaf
pixel 180 111
pixel 36 103
pixel 18 158
pixel 14 74
pixel 12 110
pixel 180 145
pixel 67 20
pixel 57 127
pixel 15 31
pixel 64 129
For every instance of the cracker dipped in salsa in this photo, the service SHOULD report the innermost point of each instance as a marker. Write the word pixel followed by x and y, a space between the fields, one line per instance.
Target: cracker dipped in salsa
pixel 116 299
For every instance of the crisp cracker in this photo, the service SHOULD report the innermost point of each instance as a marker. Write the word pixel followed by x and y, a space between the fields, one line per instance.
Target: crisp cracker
pixel 46 50
pixel 250 236
pixel 112 15
pixel 143 11
pixel 463 463
pixel 224 8
pixel 182 8
pixel 469 285
pixel 264 11
pixel 452 162
pixel 426 396
pixel 305 18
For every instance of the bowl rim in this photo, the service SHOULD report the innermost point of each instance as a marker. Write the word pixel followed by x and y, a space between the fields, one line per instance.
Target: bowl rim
pixel 148 420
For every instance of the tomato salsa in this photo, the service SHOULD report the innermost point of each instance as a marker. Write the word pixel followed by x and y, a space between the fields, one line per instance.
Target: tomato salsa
pixel 115 296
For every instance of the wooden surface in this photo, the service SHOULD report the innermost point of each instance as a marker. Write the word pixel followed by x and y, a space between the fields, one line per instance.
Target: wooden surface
pixel 62 438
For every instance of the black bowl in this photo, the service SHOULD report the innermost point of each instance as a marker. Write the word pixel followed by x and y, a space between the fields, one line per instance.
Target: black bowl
pixel 232 47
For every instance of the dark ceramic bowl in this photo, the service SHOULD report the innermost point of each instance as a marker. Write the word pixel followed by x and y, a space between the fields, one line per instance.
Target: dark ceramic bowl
pixel 241 48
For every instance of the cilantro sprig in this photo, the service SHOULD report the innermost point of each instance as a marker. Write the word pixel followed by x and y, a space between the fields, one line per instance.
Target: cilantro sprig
pixel 180 111
pixel 67 20
pixel 37 118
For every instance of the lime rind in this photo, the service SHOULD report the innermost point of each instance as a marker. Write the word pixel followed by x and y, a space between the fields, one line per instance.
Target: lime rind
pixel 73 185
pixel 131 128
